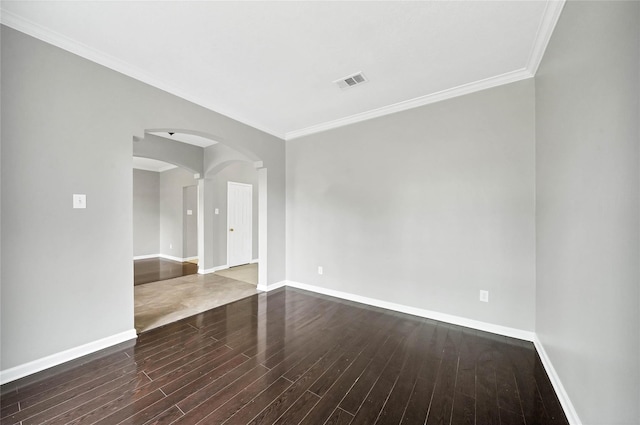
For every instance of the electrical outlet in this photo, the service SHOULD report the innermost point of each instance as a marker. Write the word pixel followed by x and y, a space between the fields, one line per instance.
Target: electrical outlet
pixel 170 246
pixel 484 296
pixel 320 270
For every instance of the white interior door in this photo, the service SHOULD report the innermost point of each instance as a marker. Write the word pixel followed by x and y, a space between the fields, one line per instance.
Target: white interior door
pixel 239 223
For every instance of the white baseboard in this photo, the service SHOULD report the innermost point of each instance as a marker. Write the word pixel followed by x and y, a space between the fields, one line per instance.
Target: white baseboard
pixel 271 287
pixel 429 314
pixel 56 359
pixel 145 257
pixel 569 410
pixel 171 257
pixel 212 270
pixel 166 257
pixel 255 260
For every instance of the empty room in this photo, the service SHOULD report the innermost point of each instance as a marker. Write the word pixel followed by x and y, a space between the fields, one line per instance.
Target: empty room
pixel 441 200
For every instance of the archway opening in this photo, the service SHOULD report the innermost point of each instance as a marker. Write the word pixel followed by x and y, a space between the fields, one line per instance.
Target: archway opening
pixel 212 165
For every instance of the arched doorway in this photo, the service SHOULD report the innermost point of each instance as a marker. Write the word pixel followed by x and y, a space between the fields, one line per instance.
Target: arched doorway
pixel 212 165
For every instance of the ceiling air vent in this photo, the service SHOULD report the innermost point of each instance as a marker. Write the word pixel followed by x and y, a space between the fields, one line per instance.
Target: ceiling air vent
pixel 351 80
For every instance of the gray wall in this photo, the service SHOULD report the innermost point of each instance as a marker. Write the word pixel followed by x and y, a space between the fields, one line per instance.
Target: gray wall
pixel 423 207
pixel 190 222
pixel 587 315
pixel 216 191
pixel 146 212
pixel 67 128
pixel 160 220
pixel 223 164
pixel 172 183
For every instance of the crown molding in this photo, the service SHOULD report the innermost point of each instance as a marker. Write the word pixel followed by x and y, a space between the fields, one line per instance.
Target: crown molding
pixel 547 25
pixel 28 27
pixel 550 17
pixel 473 87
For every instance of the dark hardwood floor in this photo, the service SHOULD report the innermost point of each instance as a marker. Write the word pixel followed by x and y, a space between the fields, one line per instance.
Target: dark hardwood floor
pixel 293 357
pixel 156 269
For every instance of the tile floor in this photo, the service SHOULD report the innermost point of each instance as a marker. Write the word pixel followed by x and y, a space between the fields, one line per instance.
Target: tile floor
pixel 159 303
pixel 247 273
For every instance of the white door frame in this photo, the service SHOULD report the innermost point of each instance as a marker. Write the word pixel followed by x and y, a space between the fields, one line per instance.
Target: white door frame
pixel 201 226
pixel 262 227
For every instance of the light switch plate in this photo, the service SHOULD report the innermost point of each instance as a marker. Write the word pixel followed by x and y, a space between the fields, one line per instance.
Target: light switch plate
pixel 484 296
pixel 79 201
pixel 216 211
pixel 189 212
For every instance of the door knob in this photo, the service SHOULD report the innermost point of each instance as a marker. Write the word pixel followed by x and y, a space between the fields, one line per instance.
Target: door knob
pixel 231 230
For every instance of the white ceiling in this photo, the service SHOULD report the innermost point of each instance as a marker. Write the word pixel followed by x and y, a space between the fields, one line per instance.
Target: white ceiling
pixel 271 64
pixel 149 164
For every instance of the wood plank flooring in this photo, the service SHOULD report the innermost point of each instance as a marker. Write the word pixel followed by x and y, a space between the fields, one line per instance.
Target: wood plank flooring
pixel 293 357
pixel 156 269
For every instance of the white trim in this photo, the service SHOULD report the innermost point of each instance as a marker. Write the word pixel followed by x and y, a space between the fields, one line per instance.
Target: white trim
pixel 254 261
pixel 171 257
pixel 212 270
pixel 547 25
pixel 429 314
pixel 200 219
pixel 56 359
pixel 178 259
pixel 145 257
pixel 263 226
pixel 487 83
pixel 26 26
pixel 165 256
pixel 273 286
pixel 565 401
pixel 218 268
